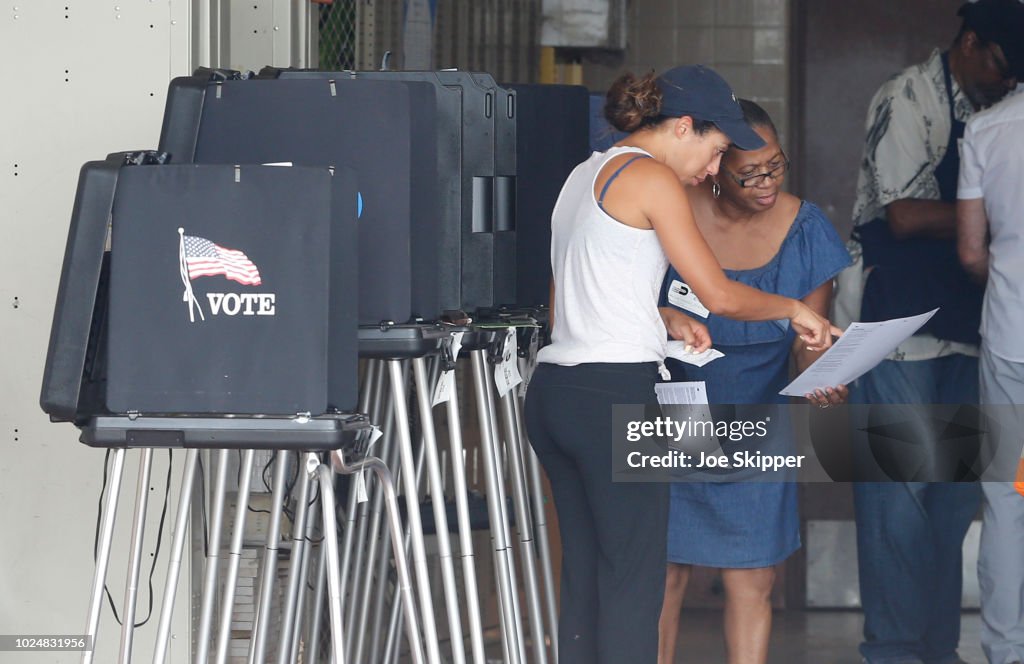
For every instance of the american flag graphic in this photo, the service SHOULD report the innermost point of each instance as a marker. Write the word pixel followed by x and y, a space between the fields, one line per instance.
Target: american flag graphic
pixel 205 259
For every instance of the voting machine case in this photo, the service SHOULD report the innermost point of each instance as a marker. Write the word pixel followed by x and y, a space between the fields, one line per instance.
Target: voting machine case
pixel 362 125
pixel 476 132
pixel 212 297
pixel 552 138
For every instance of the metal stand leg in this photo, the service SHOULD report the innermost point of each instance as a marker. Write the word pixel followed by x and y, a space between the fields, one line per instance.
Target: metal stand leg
pixel 326 479
pixel 423 398
pixel 395 626
pixel 103 555
pixel 413 512
pixel 390 448
pixel 307 552
pixel 540 525
pixel 504 567
pixel 371 402
pixel 367 550
pixel 294 570
pixel 376 558
pixel 174 566
pixel 524 523
pixel 476 631
pixel 258 644
pixel 401 566
pixel 234 557
pixel 212 560
pixel 131 590
pixel 313 640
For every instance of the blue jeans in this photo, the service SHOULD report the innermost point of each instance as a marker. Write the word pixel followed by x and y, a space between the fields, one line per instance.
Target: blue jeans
pixel 910 534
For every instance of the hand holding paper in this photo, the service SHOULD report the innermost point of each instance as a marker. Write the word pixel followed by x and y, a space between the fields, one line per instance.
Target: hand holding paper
pixel 861 347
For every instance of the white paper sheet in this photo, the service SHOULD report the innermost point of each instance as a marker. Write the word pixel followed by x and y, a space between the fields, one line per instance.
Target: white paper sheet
pixel 683 393
pixel 862 346
pixel 677 350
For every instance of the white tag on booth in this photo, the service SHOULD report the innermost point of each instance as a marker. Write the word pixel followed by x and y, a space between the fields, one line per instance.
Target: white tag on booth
pixel 446 382
pixel 506 372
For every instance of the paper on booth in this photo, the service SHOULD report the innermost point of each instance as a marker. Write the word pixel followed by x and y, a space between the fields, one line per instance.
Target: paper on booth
pixel 860 349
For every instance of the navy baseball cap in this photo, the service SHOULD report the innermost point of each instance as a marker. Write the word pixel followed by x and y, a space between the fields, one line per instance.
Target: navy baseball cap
pixel 1000 22
pixel 699 92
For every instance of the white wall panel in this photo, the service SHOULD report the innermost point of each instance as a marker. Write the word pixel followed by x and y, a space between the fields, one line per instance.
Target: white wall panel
pixel 82 78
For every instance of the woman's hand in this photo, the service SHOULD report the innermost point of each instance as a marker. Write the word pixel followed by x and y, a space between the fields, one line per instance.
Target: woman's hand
pixel 684 328
pixel 830 396
pixel 815 330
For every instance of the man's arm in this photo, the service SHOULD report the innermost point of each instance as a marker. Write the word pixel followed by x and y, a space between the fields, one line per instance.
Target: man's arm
pixel 972 237
pixel 915 217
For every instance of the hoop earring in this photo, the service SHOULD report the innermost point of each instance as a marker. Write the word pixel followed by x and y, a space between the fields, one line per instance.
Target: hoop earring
pixel 716 189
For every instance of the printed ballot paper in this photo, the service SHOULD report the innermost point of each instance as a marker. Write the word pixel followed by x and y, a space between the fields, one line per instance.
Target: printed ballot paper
pixel 862 346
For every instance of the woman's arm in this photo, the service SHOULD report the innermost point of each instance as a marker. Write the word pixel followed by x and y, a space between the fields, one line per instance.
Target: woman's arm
pixel 664 203
pixel 818 300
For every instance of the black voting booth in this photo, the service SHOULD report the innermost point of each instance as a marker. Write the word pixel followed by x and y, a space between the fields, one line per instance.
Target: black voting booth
pixel 365 125
pixel 476 187
pixel 211 300
pixel 552 125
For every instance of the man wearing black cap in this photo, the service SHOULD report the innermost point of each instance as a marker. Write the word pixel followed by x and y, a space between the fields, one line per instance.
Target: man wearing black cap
pixel 910 533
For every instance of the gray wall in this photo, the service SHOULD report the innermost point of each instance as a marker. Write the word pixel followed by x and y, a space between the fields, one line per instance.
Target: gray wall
pixel 746 41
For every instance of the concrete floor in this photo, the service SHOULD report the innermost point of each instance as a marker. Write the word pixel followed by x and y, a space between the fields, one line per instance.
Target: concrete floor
pixel 802 637
pixel 798 637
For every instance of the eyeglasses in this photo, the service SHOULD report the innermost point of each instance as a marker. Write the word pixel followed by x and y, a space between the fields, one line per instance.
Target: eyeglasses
pixel 759 179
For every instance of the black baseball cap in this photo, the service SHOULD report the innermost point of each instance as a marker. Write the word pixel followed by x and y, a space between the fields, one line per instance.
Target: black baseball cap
pixel 699 92
pixel 1001 22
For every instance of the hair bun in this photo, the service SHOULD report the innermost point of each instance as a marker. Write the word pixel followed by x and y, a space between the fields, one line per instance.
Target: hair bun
pixel 633 102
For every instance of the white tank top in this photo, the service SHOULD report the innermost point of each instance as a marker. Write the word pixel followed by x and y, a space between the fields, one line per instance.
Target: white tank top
pixel 607 278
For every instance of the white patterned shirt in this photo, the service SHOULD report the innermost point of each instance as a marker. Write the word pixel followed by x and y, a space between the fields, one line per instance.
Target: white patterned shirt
pixel 907 133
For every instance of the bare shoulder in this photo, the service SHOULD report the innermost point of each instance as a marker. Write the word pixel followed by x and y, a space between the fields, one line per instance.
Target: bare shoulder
pixel 636 188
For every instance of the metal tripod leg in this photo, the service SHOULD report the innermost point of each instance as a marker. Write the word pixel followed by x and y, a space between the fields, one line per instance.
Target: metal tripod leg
pixel 313 640
pixel 307 553
pixel 371 402
pixel 391 647
pixel 413 511
pixel 524 523
pixel 234 557
pixel 376 560
pixel 326 479
pixel 390 452
pixel 288 618
pixel 261 628
pixel 131 590
pixel 99 577
pixel 177 547
pixel 504 569
pixel 476 631
pixel 401 564
pixel 212 560
pixel 540 525
pixel 367 547
pixel 423 398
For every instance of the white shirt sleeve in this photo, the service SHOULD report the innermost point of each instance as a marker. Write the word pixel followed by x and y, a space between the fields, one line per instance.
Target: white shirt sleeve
pixel 971 166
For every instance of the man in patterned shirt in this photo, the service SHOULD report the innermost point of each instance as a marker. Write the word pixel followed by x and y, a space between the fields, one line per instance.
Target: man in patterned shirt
pixel 910 533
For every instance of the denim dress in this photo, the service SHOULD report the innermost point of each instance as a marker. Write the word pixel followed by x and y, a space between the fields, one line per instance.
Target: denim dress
pixel 747 524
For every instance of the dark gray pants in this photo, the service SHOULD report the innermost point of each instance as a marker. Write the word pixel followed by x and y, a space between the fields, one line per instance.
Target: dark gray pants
pixel 613 534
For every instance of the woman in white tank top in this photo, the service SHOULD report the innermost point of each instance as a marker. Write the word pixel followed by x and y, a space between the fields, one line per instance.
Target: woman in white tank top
pixel 621 217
